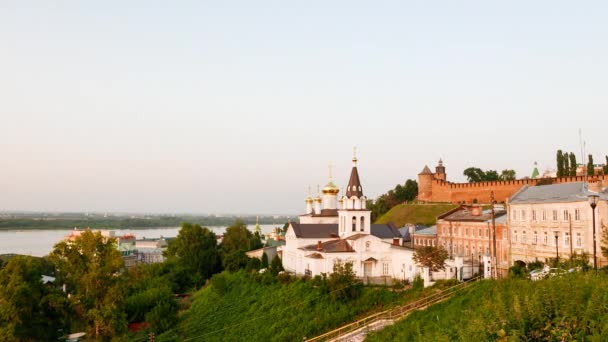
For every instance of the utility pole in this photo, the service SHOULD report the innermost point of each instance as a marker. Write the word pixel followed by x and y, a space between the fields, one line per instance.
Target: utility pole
pixel 495 257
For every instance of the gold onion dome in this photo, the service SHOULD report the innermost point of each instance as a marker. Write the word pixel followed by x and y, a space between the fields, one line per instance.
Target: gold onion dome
pixel 331 188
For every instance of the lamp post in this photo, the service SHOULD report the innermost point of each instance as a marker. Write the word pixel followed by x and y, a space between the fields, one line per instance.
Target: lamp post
pixel 556 248
pixel 593 203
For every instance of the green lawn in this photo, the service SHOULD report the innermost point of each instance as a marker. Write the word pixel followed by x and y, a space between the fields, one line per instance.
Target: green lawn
pixel 425 214
pixel 568 308
pixel 249 307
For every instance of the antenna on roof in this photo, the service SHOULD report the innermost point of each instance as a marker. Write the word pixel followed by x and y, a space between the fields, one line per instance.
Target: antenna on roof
pixel 582 144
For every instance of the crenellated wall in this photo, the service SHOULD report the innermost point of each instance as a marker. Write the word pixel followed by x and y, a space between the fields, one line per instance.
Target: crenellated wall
pixel 437 190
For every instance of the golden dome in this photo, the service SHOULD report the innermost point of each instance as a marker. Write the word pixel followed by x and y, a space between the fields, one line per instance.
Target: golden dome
pixel 331 188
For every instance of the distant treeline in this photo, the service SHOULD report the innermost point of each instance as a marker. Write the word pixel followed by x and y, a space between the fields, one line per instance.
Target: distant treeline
pixel 127 222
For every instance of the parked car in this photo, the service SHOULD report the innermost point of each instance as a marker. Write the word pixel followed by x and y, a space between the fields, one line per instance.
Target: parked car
pixel 538 274
pixel 556 272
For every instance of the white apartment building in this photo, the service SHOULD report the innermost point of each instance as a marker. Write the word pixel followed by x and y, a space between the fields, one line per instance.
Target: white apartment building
pixel 551 220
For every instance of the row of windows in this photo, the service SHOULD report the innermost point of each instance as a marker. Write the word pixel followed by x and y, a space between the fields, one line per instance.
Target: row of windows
pixel 473 232
pixel 546 238
pixel 424 242
pixel 520 215
pixel 354 224
pixel 464 249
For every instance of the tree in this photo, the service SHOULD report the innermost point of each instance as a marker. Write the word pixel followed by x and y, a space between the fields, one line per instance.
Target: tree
pixel 195 249
pixel 90 267
pixel 431 257
pixel 566 165
pixel 276 265
pixel 29 309
pixel 342 283
pixel 235 260
pixel 491 176
pixel 474 174
pixel 604 240
pixel 590 167
pixel 573 165
pixel 560 163
pixel 264 260
pixel 236 238
pixel 507 175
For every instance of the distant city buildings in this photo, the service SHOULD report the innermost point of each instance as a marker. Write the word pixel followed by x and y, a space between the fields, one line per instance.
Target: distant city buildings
pixel 134 251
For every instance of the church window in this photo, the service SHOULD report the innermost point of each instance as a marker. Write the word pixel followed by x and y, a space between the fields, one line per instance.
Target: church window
pixel 362 223
pixel 385 268
pixel 367 245
pixel 579 240
pixel 354 224
pixel 567 239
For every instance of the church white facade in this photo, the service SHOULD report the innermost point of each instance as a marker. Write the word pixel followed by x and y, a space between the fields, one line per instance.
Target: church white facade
pixel 333 230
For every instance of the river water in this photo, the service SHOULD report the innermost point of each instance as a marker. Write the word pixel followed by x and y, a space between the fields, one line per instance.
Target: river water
pixel 40 242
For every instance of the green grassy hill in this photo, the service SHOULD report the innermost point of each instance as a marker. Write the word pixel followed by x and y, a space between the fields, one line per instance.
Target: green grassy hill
pixel 569 308
pixel 425 214
pixel 251 307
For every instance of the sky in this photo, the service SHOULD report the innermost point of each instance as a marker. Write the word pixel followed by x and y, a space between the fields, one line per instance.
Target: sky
pixel 239 106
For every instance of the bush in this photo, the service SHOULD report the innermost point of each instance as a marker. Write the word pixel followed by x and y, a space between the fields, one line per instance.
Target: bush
pixel 418 283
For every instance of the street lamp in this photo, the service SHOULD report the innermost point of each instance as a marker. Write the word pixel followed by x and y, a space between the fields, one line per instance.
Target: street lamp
pixel 593 203
pixel 556 248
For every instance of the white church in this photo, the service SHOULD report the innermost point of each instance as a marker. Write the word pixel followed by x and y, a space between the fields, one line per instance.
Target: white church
pixel 333 229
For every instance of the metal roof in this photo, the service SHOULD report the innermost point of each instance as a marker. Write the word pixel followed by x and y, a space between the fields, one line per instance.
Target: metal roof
pixel 554 193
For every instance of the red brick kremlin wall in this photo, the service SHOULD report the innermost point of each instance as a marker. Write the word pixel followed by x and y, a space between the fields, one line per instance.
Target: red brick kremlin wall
pixel 432 189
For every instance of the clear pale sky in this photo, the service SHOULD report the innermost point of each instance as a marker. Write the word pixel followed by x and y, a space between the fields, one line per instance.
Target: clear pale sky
pixel 237 106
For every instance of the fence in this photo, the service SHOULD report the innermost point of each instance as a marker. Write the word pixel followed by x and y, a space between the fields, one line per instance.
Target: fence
pixel 393 314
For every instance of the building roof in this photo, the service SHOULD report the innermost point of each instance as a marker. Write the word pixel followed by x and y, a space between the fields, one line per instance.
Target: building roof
pixel 330 230
pixel 331 246
pixel 426 171
pixel 315 230
pixel 385 231
pixel 354 184
pixel 427 231
pixel 466 214
pixel 554 193
pixel 326 213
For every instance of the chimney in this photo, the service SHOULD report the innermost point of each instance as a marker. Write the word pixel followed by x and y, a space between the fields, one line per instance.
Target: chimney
pixel 396 241
pixel 476 210
pixel 319 245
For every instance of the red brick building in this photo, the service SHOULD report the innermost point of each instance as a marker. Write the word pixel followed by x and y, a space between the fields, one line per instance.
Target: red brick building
pixel 467 231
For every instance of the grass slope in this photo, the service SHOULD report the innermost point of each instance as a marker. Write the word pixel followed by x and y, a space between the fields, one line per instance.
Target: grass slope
pixel 239 307
pixel 425 214
pixel 572 307
pixel 252 307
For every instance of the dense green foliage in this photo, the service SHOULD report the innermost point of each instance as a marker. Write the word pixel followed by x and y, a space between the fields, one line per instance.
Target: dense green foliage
pixel 425 214
pixel 566 164
pixel 118 222
pixel 238 240
pixel 256 307
pixel 400 194
pixel 590 166
pixel 195 251
pixel 30 309
pixel 90 267
pixel 476 175
pixel 565 308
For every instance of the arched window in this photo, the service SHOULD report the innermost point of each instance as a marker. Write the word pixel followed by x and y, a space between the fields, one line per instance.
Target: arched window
pixel 362 223
pixel 354 224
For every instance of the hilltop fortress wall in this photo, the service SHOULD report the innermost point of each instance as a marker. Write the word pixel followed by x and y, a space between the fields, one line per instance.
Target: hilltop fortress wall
pixel 434 187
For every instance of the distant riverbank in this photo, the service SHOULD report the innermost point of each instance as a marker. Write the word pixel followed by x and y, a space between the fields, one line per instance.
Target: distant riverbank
pixel 40 242
pixel 54 223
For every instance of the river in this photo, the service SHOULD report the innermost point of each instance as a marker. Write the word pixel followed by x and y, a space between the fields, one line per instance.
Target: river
pixel 40 242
